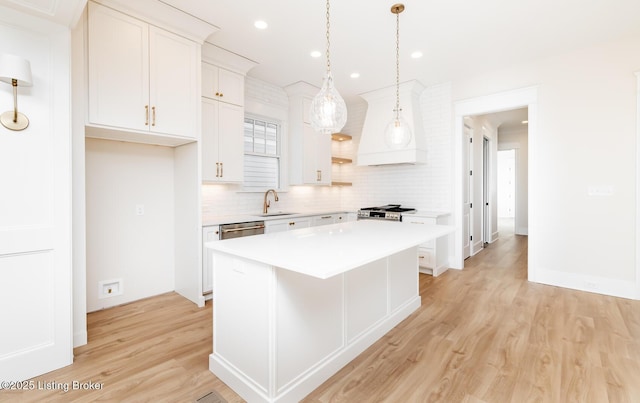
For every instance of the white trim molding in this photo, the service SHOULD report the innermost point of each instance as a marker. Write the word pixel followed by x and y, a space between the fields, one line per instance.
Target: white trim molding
pixel 637 285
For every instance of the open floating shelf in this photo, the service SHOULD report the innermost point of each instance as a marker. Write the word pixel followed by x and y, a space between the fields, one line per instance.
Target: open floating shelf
pixel 340 160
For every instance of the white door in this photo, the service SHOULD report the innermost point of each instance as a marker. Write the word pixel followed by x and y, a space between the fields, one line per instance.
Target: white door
pixel 467 192
pixel 35 207
pixel 486 191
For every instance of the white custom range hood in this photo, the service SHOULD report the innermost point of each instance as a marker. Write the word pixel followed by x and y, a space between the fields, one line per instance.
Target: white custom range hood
pixel 381 104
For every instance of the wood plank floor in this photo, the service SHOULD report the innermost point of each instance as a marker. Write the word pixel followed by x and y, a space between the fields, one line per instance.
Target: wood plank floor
pixel 483 334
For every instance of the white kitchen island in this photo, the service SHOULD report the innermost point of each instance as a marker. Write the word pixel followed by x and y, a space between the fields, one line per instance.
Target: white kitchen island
pixel 292 308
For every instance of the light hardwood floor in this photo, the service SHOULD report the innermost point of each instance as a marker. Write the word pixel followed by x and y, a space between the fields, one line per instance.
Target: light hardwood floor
pixel 483 334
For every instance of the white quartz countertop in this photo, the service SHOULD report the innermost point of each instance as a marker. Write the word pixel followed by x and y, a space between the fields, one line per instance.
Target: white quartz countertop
pixel 328 250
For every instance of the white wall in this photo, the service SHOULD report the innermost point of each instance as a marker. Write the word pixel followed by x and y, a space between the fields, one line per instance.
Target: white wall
pixel 139 249
pixel 586 136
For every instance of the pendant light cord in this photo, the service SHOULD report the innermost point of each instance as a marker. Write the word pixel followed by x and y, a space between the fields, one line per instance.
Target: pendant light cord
pixel 397 65
pixel 328 41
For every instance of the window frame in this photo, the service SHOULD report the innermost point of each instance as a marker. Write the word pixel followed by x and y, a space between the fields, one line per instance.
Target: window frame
pixel 280 150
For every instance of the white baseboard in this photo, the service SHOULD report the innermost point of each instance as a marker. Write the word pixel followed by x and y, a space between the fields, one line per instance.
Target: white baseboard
pixel 80 338
pixel 590 283
pixel 522 231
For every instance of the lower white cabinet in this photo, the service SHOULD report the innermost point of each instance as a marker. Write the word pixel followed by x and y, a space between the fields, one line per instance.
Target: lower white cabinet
pixel 286 224
pixel 432 256
pixel 209 234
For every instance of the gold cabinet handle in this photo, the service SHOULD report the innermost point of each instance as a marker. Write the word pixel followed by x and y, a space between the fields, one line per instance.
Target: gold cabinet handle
pixel 318 175
pixel 146 115
pixel 221 169
pixel 153 114
pixel 217 169
pixel 217 94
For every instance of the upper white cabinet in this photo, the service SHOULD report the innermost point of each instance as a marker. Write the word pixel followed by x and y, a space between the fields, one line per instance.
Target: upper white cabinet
pixel 222 84
pixel 222 141
pixel 141 77
pixel 309 152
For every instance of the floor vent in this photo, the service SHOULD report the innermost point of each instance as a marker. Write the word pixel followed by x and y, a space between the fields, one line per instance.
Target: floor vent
pixel 212 397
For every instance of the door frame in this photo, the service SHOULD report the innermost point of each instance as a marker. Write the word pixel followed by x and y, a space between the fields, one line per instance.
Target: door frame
pixel 518 98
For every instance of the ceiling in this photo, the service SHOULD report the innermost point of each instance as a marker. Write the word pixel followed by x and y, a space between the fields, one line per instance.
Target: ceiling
pixel 458 38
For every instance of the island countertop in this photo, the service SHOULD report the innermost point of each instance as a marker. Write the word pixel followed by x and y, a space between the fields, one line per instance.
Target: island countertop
pixel 328 250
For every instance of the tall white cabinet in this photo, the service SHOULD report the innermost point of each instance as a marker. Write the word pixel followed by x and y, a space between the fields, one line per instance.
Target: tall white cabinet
pixel 222 125
pixel 150 85
pixel 222 88
pixel 309 152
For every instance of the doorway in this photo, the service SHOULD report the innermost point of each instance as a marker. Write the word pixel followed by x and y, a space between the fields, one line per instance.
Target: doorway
pixel 490 104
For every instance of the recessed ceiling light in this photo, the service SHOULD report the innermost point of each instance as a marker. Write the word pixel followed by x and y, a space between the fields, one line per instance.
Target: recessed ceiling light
pixel 416 55
pixel 260 24
pixel 316 53
pixel 355 75
pixel 524 122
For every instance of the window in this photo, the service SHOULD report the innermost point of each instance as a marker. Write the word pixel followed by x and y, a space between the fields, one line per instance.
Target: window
pixel 261 154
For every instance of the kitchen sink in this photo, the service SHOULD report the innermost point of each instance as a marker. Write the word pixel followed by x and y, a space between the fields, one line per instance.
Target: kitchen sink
pixel 275 214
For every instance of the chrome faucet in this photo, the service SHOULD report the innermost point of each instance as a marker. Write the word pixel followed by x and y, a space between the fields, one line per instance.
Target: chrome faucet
pixel 267 203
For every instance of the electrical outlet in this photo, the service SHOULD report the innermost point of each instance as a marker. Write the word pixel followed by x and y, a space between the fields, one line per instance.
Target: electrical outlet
pixel 109 288
pixel 139 209
pixel 600 191
pixel 591 285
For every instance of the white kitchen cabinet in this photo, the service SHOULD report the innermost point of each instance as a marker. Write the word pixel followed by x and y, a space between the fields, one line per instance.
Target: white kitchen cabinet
pixel 209 234
pixel 222 142
pixel 287 224
pixel 432 256
pixel 149 85
pixel 222 84
pixel 309 152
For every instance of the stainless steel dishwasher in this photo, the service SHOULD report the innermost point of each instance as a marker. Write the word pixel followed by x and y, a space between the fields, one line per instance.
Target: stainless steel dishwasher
pixel 228 231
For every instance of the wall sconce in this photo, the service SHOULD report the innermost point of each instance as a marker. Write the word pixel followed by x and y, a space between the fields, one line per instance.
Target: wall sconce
pixel 16 71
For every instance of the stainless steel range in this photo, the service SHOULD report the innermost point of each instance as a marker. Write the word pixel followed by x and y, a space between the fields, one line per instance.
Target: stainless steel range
pixel 389 212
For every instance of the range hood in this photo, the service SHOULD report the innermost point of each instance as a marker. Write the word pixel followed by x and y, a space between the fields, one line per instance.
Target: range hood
pixel 372 149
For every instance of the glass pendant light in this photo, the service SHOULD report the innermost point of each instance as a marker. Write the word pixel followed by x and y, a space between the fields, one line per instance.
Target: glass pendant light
pixel 328 110
pixel 398 133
